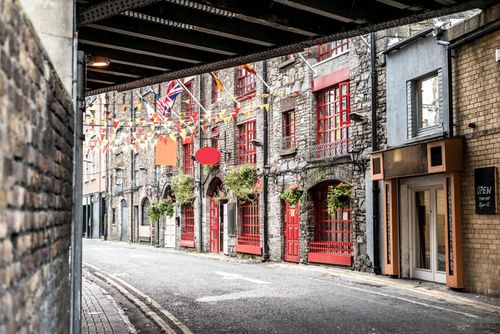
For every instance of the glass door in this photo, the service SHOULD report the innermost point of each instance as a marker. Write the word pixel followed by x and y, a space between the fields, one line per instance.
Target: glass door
pixel 428 234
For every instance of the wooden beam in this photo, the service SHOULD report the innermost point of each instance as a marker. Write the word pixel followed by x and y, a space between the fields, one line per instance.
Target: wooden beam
pixel 109 8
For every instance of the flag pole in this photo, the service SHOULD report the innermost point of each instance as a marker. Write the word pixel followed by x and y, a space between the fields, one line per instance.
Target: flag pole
pixel 308 65
pixel 265 83
pixel 194 98
pixel 231 95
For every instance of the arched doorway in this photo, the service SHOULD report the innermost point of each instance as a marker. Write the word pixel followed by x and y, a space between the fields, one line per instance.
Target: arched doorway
pixel 216 216
pixel 170 230
pixel 124 236
pixel 332 241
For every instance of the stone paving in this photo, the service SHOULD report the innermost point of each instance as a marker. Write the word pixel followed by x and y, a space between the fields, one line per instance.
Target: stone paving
pixel 100 313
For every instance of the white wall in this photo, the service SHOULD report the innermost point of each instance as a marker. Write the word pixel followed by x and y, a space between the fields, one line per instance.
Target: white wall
pixel 53 22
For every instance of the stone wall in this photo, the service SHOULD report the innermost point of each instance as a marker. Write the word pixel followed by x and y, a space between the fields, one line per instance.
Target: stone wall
pixel 36 152
pixel 476 100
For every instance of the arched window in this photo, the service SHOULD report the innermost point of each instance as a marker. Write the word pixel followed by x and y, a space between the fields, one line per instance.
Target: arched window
pixel 145 219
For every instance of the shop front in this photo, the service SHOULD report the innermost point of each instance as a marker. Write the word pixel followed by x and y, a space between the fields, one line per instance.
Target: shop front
pixel 421 202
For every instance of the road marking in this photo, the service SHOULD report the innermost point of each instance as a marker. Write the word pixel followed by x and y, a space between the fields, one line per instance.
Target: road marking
pixel 233 276
pixel 399 298
pixel 169 315
pixel 241 295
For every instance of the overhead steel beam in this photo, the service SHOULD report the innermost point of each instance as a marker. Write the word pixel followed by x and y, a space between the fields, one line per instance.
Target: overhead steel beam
pixel 109 8
pixel 156 32
pixel 156 48
pixel 226 26
pixel 120 74
pixel 128 58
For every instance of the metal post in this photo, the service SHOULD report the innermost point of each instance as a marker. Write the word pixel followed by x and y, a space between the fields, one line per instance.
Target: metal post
pixel 200 177
pixel 375 187
pixel 76 238
pixel 134 237
pixel 265 153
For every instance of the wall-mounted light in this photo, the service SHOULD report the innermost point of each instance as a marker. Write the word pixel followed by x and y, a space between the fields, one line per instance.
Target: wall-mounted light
pixel 257 143
pixel 356 117
pixel 97 61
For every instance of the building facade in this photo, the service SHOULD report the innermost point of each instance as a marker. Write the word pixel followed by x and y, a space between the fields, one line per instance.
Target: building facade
pixel 442 129
pixel 94 170
pixel 340 115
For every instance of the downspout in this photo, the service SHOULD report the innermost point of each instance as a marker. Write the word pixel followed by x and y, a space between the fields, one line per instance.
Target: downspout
pixel 200 175
pixel 132 181
pixel 265 153
pixel 450 92
pixel 375 185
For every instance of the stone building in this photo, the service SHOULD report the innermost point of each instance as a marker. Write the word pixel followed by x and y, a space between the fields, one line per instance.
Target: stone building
pixel 442 151
pixel 310 140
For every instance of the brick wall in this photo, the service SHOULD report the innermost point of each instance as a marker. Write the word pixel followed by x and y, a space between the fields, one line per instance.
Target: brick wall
pixel 36 148
pixel 477 100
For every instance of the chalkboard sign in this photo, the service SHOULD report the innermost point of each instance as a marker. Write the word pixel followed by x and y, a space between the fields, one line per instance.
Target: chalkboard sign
pixel 484 187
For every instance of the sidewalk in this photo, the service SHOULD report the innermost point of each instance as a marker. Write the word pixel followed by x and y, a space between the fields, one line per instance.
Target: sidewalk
pixel 100 313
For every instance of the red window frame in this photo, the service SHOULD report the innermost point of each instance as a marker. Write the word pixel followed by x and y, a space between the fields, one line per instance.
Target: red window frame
pixel 288 129
pixel 249 236
pixel 332 121
pixel 333 235
pixel 328 50
pixel 247 154
pixel 187 151
pixel 245 83
pixel 187 232
pixel 188 101
pixel 215 89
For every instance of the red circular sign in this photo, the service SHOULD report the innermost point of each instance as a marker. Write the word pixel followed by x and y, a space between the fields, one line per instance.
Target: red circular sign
pixel 207 155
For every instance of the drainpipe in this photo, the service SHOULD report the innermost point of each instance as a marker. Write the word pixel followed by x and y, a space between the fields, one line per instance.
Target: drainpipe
pixel 200 176
pixel 450 92
pixel 375 186
pixel 265 149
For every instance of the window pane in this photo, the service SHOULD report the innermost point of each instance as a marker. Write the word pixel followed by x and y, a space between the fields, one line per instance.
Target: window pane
pixel 428 100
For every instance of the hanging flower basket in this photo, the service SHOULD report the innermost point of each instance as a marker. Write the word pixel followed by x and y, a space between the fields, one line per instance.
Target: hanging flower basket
pixel 183 187
pixel 292 195
pixel 339 197
pixel 241 181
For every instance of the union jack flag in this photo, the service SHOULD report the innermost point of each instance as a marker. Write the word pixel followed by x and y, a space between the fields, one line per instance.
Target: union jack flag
pixel 165 105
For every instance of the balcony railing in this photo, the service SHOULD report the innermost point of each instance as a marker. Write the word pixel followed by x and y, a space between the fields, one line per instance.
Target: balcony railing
pixel 288 143
pixel 329 150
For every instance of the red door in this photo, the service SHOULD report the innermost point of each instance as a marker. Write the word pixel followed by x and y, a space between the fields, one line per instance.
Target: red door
pixel 292 214
pixel 214 226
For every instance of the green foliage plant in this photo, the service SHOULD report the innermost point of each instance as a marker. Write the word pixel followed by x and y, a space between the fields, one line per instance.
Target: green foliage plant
pixel 292 194
pixel 183 187
pixel 241 181
pixel 339 197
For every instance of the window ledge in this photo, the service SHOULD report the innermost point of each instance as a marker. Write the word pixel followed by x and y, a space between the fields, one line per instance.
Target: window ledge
pixel 247 96
pixel 333 160
pixel 286 63
pixel 287 152
pixel 332 57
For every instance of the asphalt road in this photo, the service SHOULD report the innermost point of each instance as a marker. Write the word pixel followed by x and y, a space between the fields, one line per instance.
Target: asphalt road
pixel 210 295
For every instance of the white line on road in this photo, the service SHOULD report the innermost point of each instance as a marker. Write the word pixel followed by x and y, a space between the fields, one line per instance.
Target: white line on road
pixel 399 298
pixel 169 315
pixel 233 276
pixel 242 295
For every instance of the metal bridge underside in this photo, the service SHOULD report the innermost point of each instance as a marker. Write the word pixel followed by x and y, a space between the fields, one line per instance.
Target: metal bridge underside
pixel 151 41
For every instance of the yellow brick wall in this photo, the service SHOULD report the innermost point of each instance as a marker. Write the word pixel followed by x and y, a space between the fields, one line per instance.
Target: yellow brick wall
pixel 477 100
